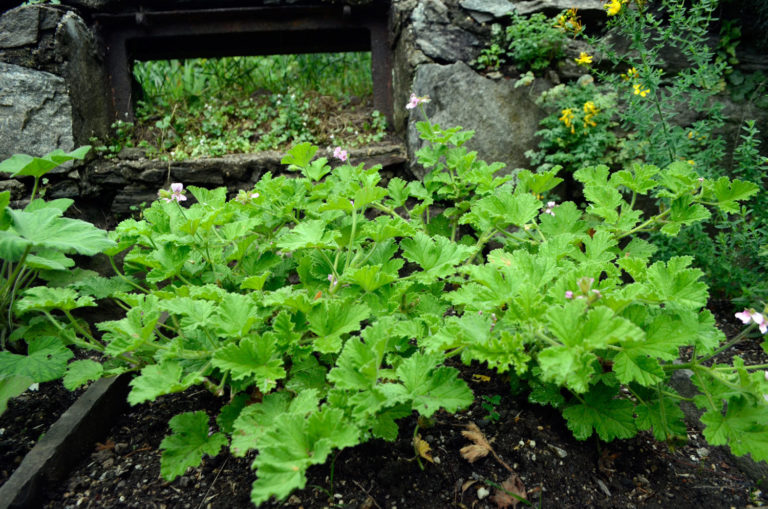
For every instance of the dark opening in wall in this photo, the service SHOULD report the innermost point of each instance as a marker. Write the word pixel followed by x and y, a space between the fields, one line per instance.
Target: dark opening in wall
pixel 243 31
pixel 211 107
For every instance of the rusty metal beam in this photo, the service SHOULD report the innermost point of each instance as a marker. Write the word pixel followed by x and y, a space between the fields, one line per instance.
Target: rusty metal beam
pixel 156 35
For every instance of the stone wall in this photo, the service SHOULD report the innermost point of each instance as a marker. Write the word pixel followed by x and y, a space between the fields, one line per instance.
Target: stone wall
pixel 53 91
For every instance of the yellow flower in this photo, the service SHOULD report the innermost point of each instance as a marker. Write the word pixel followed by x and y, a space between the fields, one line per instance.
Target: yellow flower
pixel 584 59
pixel 566 118
pixel 639 90
pixel 569 22
pixel 613 7
pixel 631 74
pixel 590 110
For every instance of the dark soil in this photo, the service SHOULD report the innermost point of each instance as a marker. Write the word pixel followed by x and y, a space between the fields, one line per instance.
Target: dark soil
pixel 555 469
pixel 27 418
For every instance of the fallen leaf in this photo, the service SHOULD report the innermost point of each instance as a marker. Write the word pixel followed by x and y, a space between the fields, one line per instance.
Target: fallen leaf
pixel 422 448
pixel 466 485
pixel 480 446
pixel 480 378
pixel 512 490
pixel 107 446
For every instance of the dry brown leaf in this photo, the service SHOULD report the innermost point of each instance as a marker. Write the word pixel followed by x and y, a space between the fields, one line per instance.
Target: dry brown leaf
pixel 466 485
pixel 422 448
pixel 480 446
pixel 513 485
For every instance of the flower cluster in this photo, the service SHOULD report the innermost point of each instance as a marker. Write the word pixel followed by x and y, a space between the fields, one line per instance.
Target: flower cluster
pixel 246 197
pixel 590 111
pixel 587 292
pixel 640 90
pixel 569 22
pixel 415 101
pixel 341 155
pixel 550 208
pixel 750 315
pixel 175 194
pixel 566 117
pixel 614 6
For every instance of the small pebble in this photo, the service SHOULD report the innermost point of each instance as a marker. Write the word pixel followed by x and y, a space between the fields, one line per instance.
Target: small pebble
pixel 482 492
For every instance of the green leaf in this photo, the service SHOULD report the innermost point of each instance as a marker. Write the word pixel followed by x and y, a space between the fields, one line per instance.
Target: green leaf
pixel 729 192
pixel 306 234
pixel 158 379
pixel 10 387
pixel 371 277
pixel 332 318
pixel 428 386
pixel 45 229
pixel 569 367
pixel 357 367
pixel 743 426
pixel 254 357
pixel 21 165
pixel 292 445
pixel 299 156
pixel 44 298
pixel 436 255
pixel 188 443
pixel 539 183
pixel 254 420
pixel 683 212
pixel 81 372
pixel 664 417
pixel 503 209
pixel 46 360
pixel 131 332
pixel 235 315
pixel 676 284
pixel 209 198
pixel 600 410
pixel 639 368
pixel 639 180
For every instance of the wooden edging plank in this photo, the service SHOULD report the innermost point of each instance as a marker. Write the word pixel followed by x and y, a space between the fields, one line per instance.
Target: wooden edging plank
pixel 67 441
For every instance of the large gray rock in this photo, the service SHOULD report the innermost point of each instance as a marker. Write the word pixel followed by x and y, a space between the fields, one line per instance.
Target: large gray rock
pixel 486 10
pixel 83 69
pixel 438 38
pixel 530 6
pixel 35 112
pixel 504 118
pixel 19 27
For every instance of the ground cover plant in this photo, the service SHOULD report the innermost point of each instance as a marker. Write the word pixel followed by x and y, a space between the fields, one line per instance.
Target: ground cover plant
pixel 212 107
pixel 324 307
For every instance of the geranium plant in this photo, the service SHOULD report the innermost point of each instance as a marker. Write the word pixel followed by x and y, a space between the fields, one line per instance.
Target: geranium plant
pixel 324 306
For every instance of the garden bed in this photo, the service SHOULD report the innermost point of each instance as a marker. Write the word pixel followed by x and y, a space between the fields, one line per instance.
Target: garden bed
pixel 123 471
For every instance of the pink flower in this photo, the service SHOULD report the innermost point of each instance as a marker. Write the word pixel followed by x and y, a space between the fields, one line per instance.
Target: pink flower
pixel 245 197
pixel 750 315
pixel 175 194
pixel 568 294
pixel 341 155
pixel 415 101
pixel 550 205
